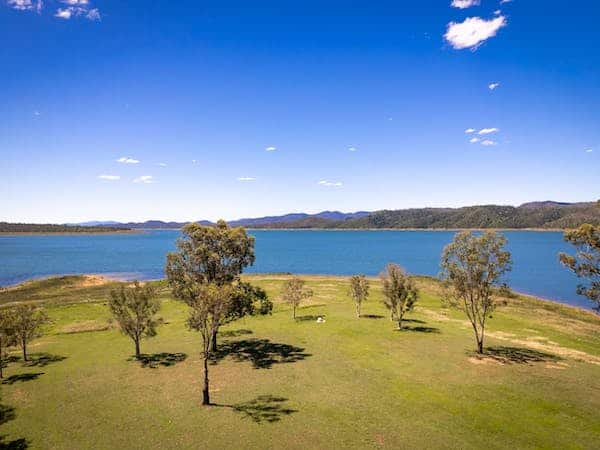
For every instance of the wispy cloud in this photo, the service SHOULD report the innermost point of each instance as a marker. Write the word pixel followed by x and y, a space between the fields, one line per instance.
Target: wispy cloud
pixel 488 142
pixel 473 31
pixel 352 149
pixel 26 5
pixel 127 160
pixel 474 140
pixel 109 177
pixel 77 8
pixel 246 179
pixel 144 179
pixel 589 150
pixel 330 183
pixel 493 86
pixel 488 131
pixel 470 130
pixel 161 165
pixel 36 113
pixel 270 149
pixel 462 4
pixel 502 2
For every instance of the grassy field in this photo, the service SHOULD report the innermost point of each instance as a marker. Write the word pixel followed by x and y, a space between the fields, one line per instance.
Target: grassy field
pixel 345 383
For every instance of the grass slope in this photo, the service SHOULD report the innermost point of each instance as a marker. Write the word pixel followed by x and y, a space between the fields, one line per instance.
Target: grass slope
pixel 346 383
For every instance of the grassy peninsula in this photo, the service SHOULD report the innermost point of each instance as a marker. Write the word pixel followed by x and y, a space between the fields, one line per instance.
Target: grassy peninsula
pixel 32 228
pixel 345 383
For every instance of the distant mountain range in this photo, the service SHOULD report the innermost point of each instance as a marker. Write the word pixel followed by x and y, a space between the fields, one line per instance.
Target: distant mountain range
pixel 543 214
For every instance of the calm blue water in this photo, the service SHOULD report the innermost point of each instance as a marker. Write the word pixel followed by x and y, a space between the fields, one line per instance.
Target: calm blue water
pixel 535 270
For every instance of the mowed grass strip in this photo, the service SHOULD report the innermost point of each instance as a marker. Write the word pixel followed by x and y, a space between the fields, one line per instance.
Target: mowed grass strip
pixel 276 382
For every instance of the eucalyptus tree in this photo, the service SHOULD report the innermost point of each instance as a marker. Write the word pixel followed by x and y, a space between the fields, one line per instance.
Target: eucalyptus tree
pixel 134 308
pixel 472 266
pixel 294 292
pixel 204 273
pixel 399 292
pixel 7 335
pixel 586 261
pixel 359 290
pixel 27 321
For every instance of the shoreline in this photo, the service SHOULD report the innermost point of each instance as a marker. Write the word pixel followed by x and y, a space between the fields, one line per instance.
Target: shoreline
pixel 69 233
pixel 128 277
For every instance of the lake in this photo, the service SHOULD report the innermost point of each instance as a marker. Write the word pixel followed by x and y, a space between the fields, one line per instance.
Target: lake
pixel 536 269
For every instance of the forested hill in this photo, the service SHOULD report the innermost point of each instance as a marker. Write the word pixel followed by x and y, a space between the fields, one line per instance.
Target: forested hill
pixel 546 215
pixel 6 227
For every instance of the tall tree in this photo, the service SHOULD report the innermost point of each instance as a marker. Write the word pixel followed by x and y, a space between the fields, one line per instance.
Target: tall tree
pixel 472 265
pixel 134 309
pixel 399 292
pixel 27 321
pixel 294 292
pixel 204 273
pixel 586 261
pixel 7 335
pixel 359 291
pixel 208 311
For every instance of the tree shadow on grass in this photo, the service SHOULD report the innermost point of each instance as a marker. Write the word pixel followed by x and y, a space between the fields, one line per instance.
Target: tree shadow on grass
pixel 42 359
pixel 264 408
pixel 235 333
pixel 7 413
pixel 262 353
pixel 371 316
pixel 518 355
pixel 22 377
pixel 413 321
pixel 155 360
pixel 309 318
pixel 420 329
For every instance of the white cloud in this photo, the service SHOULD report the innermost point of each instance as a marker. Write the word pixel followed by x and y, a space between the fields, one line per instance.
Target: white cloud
pixel 93 15
pixel 493 86
pixel 26 5
pixel 462 4
pixel 246 179
pixel 77 8
pixel 127 160
pixel 144 179
pixel 64 13
pixel 488 142
pixel 589 150
pixel 502 2
pixel 330 183
pixel 37 113
pixel 488 131
pixel 109 177
pixel 161 165
pixel 473 31
pixel 470 130
pixel 474 140
pixel 271 149
pixel 194 161
pixel 497 12
pixel 352 149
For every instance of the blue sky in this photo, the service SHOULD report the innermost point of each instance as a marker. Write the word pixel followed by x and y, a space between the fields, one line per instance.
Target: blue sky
pixel 206 109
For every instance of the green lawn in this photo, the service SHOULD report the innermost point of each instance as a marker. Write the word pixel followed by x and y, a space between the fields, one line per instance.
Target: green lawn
pixel 280 383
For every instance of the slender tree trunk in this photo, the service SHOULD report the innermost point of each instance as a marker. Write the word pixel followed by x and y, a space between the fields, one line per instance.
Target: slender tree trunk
pixel 480 344
pixel 1 361
pixel 205 394
pixel 358 310
pixel 294 313
pixel 24 345
pixel 137 348
pixel 213 345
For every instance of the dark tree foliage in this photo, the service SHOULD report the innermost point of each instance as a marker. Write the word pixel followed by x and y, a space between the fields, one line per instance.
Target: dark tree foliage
pixel 6 227
pixel 586 261
pixel 7 334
